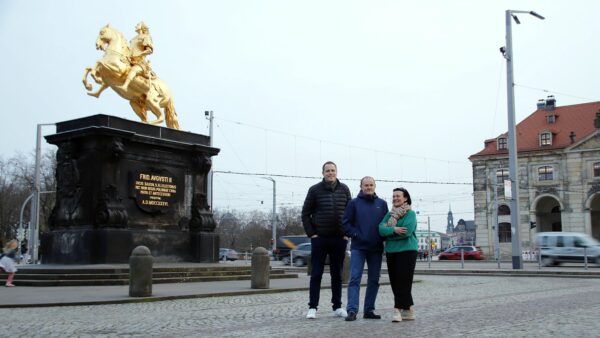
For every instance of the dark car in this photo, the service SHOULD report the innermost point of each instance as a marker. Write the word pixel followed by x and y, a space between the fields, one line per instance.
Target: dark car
pixel 228 254
pixel 287 243
pixel 470 252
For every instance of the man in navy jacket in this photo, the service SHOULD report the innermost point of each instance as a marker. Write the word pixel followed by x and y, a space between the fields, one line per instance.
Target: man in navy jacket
pixel 361 224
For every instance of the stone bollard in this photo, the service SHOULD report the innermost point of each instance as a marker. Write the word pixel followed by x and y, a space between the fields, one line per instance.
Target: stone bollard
pixel 261 268
pixel 140 272
pixel 346 268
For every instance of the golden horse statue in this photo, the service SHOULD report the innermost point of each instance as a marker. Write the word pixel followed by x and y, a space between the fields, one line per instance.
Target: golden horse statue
pixel 144 92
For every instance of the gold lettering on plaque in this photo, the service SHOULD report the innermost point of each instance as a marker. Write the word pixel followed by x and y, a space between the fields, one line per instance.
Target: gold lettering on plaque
pixel 154 189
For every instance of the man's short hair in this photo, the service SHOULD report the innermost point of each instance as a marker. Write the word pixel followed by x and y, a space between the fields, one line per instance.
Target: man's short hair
pixel 326 163
pixel 364 178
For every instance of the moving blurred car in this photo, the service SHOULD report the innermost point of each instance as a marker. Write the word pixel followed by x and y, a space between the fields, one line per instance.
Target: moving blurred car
pixel 470 252
pixel 228 254
pixel 558 247
pixel 301 254
pixel 287 243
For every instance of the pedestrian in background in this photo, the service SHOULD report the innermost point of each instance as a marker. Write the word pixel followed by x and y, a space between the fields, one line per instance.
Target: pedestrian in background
pixel 322 214
pixel 398 228
pixel 7 262
pixel 361 218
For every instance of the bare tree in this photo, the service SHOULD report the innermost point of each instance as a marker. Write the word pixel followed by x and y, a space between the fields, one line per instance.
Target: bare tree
pixel 290 221
pixel 17 183
pixel 228 227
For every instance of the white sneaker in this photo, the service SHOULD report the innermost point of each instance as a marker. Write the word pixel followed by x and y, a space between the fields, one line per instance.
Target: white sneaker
pixel 397 316
pixel 339 312
pixel 311 314
pixel 408 314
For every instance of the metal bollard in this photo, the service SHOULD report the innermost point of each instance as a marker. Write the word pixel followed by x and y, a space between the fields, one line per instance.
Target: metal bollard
pixel 462 259
pixel 261 269
pixel 140 272
pixel 346 269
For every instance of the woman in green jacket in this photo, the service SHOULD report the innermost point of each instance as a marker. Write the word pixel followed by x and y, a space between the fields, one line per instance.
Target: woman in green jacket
pixel 401 247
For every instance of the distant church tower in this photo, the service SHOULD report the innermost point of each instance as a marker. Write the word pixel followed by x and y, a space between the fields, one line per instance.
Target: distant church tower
pixel 450 225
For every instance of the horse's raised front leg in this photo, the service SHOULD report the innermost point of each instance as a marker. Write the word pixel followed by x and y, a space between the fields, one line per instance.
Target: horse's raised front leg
pixel 87 86
pixel 96 77
pixel 97 94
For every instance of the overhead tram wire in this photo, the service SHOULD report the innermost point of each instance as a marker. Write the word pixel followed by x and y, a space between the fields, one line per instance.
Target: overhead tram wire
pixel 555 92
pixel 338 143
pixel 348 179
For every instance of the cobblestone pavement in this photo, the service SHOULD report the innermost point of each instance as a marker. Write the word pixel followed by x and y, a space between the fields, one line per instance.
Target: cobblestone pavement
pixel 446 306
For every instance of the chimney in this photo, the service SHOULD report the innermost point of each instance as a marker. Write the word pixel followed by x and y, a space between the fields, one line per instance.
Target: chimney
pixel 541 104
pixel 572 137
pixel 550 103
pixel 597 120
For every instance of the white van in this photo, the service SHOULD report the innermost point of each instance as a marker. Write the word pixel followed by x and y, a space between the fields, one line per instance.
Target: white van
pixel 557 247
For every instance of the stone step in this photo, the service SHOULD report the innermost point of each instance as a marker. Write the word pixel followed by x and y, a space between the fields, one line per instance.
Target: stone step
pixel 125 281
pixel 84 276
pixel 174 274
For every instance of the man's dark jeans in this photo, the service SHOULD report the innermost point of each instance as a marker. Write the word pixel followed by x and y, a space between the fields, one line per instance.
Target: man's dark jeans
pixel 335 247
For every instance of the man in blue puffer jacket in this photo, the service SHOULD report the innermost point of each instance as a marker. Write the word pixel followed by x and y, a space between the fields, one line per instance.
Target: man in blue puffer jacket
pixel 361 223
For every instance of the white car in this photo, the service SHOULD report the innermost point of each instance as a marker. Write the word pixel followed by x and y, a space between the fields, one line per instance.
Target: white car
pixel 566 247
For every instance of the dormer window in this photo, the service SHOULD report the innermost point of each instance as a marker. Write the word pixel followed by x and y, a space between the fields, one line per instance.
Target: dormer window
pixel 546 139
pixel 502 144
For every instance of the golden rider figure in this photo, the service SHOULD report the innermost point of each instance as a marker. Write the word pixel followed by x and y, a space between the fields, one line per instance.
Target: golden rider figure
pixel 141 45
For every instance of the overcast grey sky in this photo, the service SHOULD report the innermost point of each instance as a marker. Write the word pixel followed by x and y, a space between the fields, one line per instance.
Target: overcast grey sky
pixel 398 90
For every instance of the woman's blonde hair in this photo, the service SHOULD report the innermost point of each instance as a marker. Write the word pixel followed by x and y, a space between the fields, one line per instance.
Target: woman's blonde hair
pixel 11 245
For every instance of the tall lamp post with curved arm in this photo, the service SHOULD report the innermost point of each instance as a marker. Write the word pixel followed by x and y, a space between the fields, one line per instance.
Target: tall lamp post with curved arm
pixel 512 137
pixel 273 217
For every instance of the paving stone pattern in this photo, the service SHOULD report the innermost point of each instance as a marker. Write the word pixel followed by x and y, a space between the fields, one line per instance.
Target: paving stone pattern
pixel 446 306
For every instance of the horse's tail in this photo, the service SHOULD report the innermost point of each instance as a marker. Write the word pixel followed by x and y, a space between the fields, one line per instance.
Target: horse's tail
pixel 171 115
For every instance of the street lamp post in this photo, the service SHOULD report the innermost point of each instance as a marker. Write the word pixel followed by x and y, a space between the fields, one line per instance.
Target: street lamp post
pixel 512 137
pixel 34 227
pixel 273 217
pixel 209 186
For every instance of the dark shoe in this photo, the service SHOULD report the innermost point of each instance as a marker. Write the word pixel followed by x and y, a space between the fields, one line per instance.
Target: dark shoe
pixel 371 315
pixel 351 316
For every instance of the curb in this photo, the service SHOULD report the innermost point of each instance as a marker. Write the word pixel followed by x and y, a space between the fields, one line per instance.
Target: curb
pixel 166 298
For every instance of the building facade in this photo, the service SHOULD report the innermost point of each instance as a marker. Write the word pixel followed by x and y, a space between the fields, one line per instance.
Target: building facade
pixel 558 150
pixel 436 240
pixel 464 233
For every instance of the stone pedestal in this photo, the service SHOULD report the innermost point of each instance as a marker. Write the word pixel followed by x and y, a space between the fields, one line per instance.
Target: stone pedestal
pixel 122 184
pixel 205 247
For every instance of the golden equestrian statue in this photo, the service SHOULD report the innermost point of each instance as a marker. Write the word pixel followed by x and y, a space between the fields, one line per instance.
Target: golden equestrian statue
pixel 124 68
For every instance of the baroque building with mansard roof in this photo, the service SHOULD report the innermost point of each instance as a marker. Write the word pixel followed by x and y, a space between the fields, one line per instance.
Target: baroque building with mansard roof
pixel 558 151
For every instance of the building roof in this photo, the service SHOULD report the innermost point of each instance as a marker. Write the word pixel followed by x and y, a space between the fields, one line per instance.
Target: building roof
pixel 578 118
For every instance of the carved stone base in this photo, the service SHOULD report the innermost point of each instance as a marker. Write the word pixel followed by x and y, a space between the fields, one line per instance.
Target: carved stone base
pixel 121 184
pixel 113 246
pixel 205 247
